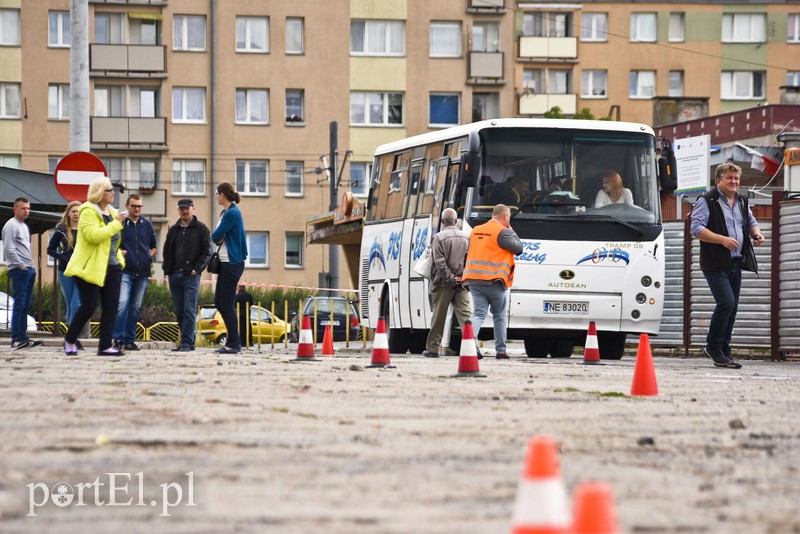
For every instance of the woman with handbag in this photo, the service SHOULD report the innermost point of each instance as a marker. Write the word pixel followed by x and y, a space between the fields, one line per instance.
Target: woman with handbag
pixel 230 237
pixel 96 266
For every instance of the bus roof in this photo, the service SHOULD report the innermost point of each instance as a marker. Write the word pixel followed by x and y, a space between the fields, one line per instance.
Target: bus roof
pixel 462 130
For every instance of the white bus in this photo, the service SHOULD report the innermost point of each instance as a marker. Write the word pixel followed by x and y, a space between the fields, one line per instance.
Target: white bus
pixel 580 263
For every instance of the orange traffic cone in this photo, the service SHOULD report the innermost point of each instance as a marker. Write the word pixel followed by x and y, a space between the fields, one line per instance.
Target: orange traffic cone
pixel 591 350
pixel 593 510
pixel 644 375
pixel 380 347
pixel 541 505
pixel 305 343
pixel 327 342
pixel 468 360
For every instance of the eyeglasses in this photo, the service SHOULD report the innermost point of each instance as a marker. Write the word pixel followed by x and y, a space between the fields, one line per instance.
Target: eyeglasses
pixel 110 190
pixel 135 206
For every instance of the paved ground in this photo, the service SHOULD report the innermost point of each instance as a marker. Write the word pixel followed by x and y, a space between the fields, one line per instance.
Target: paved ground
pixel 270 445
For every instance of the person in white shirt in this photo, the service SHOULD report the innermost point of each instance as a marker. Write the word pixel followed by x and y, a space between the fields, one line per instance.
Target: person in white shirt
pixel 613 192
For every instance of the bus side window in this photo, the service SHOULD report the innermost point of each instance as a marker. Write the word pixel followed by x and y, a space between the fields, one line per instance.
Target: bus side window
pixel 380 190
pixel 414 187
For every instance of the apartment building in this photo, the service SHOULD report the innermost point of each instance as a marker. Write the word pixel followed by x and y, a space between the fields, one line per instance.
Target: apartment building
pixel 186 94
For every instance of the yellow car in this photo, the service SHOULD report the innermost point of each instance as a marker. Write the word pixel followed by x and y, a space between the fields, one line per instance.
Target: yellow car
pixel 266 328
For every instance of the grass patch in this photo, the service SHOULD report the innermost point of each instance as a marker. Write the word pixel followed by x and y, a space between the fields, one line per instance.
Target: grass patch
pixel 279 409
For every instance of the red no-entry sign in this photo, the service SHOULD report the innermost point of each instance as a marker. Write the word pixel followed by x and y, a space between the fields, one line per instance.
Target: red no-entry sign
pixel 75 172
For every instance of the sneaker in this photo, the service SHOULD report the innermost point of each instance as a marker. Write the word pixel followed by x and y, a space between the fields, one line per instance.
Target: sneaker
pixel 70 349
pixel 182 348
pixel 21 344
pixel 720 360
pixel 501 356
pixel 117 344
pixel 130 346
pixel 447 352
pixel 110 351
pixel 34 343
pixel 430 354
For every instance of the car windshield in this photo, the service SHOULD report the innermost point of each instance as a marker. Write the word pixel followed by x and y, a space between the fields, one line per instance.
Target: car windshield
pixel 324 306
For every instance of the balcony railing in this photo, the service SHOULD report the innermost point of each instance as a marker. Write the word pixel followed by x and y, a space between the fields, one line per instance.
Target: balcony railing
pixel 486 65
pixel 138 59
pixel 141 131
pixel 486 6
pixel 540 103
pixel 559 48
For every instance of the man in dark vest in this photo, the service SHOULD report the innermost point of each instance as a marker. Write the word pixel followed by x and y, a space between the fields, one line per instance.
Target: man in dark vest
pixel 724 224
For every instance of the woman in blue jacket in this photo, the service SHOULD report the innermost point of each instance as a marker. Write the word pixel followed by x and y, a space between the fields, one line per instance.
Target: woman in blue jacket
pixel 230 236
pixel 60 247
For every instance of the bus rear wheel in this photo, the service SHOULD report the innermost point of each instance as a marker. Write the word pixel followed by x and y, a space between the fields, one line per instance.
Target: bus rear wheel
pixel 561 348
pixel 611 344
pixel 418 340
pixel 537 347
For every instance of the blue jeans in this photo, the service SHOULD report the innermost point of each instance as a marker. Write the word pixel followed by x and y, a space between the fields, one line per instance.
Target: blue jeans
pixel 71 297
pixel 493 296
pixel 725 286
pixel 225 300
pixel 22 281
pixel 131 293
pixel 185 289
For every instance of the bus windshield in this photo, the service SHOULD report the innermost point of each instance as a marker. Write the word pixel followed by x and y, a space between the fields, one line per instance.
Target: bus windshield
pixel 568 175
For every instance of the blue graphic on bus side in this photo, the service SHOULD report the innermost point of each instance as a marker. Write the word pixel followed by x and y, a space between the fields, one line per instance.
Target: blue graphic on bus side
pixel 614 255
pixel 420 242
pixel 394 245
pixel 376 254
pixel 531 253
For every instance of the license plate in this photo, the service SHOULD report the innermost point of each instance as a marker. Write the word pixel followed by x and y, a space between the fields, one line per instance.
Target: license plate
pixel 571 308
pixel 326 323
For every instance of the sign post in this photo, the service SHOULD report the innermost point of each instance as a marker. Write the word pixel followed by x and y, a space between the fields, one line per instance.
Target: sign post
pixel 75 172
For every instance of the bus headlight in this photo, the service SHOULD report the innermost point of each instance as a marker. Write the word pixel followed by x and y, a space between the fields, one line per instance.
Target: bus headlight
pixel 641 298
pixel 646 281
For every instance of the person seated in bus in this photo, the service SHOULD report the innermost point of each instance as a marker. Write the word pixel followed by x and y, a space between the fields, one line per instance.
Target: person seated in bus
pixel 554 185
pixel 613 192
pixel 512 192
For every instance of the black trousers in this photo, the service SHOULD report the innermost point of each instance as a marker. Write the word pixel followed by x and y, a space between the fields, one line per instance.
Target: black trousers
pixel 109 300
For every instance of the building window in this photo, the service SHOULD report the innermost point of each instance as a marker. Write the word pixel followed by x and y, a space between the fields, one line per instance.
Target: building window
pixel 486 37
pixel 109 101
pixel 295 39
pixel 793 78
pixel 109 28
pixel 376 108
pixel 9 27
pixel 252 106
pixel 144 101
pixel 144 32
pixel 444 39
pixel 676 83
pixel 257 249
pixel 359 176
pixel 252 34
pixel 144 173
pixel 377 38
pixel 189 104
pixel 114 169
pixel 52 162
pixel 9 101
pixel 443 109
pixel 58 101
pixel 533 81
pixel 643 84
pixel 294 179
pixel 11 161
pixel 188 177
pixel 551 81
pixel 676 27
pixel 545 24
pixel 485 106
pixel 793 28
pixel 189 33
pixel 294 249
pixel 744 28
pixel 594 27
pixel 742 85
pixel 58 29
pixel 252 177
pixel 643 27
pixel 594 83
pixel 294 106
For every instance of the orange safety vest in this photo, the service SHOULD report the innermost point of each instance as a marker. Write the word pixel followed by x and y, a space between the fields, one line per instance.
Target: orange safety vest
pixel 485 259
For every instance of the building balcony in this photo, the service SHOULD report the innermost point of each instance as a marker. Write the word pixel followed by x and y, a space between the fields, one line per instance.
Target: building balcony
pixel 127 60
pixel 486 68
pixel 548 48
pixel 486 7
pixel 538 104
pixel 131 133
pixel 131 2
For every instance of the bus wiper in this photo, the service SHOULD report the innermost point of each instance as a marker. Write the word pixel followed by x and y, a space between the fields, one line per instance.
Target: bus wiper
pixel 597 216
pixel 526 203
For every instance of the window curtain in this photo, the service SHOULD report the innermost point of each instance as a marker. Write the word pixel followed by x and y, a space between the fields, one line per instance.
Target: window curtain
pixel 445 40
pixel 195 104
pixel 357 36
pixel 10 28
pixel 257 106
pixel 356 108
pixel 376 37
pixel 196 32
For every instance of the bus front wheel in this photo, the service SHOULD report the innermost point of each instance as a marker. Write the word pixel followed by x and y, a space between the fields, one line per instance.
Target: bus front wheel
pixel 537 347
pixel 562 348
pixel 611 344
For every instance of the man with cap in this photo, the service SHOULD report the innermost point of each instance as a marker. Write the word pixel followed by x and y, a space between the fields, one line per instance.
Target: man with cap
pixel 187 250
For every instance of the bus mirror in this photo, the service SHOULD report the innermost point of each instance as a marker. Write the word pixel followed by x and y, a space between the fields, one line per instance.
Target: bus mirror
pixel 470 165
pixel 667 167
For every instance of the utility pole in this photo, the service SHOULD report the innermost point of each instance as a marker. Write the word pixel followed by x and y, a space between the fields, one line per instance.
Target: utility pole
pixel 79 76
pixel 333 250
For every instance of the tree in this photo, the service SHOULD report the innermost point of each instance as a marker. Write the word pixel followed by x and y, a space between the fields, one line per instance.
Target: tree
pixel 584 114
pixel 554 113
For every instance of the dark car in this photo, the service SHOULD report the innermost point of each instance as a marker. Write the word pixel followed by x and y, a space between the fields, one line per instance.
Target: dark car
pixel 341 318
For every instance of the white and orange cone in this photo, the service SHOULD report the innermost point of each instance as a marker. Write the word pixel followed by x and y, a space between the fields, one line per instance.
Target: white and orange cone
pixel 380 347
pixel 591 349
pixel 468 359
pixel 593 510
pixel 305 342
pixel 541 506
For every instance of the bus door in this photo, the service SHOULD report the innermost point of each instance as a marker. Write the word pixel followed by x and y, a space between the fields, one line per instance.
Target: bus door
pixel 409 243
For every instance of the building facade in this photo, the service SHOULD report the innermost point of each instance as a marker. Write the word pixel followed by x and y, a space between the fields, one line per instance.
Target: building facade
pixel 185 94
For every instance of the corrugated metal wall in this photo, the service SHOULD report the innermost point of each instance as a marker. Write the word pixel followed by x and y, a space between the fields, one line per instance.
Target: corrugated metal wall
pixel 671 333
pixel 789 272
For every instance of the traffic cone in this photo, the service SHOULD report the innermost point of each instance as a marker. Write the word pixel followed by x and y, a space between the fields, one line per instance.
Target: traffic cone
pixel 305 343
pixel 380 346
pixel 644 375
pixel 327 342
pixel 591 350
pixel 541 504
pixel 593 510
pixel 468 360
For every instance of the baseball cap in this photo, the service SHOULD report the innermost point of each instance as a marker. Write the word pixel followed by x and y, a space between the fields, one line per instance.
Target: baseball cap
pixel 185 203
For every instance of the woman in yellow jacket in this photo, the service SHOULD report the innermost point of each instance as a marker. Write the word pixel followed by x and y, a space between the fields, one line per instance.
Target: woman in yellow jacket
pixel 96 265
